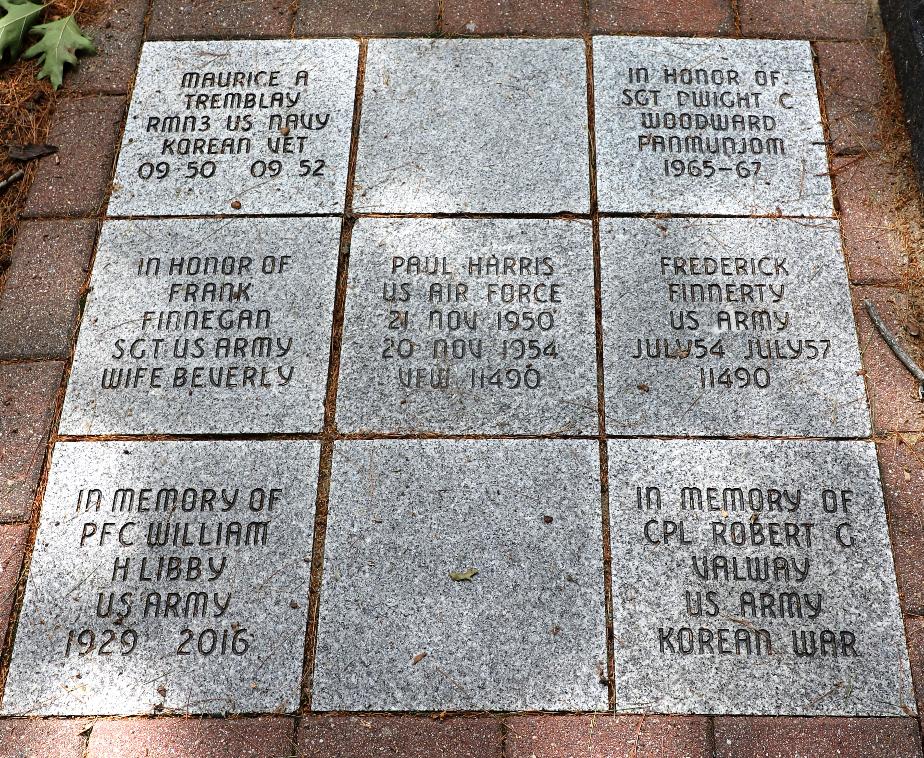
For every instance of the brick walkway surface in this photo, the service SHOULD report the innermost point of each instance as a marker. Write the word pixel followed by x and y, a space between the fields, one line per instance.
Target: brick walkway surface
pixel 43 290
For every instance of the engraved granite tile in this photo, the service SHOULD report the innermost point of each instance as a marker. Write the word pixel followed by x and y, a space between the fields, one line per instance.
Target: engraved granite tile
pixel 462 326
pixel 717 327
pixel 754 577
pixel 715 127
pixel 206 326
pixel 259 127
pixel 462 575
pixel 167 575
pixel 473 125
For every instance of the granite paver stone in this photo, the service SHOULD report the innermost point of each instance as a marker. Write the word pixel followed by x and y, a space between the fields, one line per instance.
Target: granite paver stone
pixel 718 327
pixel 462 575
pixel 709 126
pixel 469 326
pixel 473 126
pixel 259 127
pixel 206 326
pixel 754 577
pixel 167 576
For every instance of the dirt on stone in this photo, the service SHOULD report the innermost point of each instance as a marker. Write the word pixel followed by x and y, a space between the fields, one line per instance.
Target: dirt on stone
pixel 26 105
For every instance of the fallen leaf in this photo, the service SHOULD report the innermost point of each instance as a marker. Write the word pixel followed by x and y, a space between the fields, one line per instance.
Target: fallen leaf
pixel 15 24
pixel 58 44
pixel 463 576
pixel 30 152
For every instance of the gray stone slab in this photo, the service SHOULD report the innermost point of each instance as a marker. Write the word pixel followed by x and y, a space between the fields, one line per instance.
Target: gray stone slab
pixel 246 126
pixel 464 125
pixel 716 327
pixel 461 326
pixel 527 632
pixel 168 576
pixel 682 124
pixel 206 326
pixel 729 557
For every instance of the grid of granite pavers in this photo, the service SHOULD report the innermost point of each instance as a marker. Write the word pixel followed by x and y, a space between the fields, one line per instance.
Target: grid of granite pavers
pixel 43 289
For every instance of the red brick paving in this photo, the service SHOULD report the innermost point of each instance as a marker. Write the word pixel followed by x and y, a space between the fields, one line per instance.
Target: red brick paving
pixel 779 737
pixel 367 18
pixel 39 304
pixel 42 738
pixel 809 19
pixel 263 737
pixel 27 406
pixel 407 736
pixel 704 18
pixel 606 736
pixel 902 469
pixel 545 17
pixel 219 19
pixel 75 180
pixel 853 87
pixel 118 42
pixel 892 391
pixel 867 189
pixel 12 547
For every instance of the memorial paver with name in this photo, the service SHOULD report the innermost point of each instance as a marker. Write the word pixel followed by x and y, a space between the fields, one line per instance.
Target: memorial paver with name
pixel 754 578
pixel 462 575
pixel 206 326
pixel 469 326
pixel 168 576
pixel 709 126
pixel 719 327
pixel 245 126
pixel 473 126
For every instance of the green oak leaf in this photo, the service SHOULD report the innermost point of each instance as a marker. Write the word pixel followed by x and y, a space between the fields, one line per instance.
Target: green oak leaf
pixel 58 45
pixel 15 24
pixel 463 576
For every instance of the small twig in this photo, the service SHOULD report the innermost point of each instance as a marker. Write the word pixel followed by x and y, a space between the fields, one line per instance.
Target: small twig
pixel 12 179
pixel 892 342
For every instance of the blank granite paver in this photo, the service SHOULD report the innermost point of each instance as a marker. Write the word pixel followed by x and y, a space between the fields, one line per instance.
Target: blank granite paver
pixel 527 632
pixel 473 126
pixel 167 575
pixel 461 326
pixel 206 326
pixel 719 127
pixel 718 327
pixel 259 127
pixel 754 577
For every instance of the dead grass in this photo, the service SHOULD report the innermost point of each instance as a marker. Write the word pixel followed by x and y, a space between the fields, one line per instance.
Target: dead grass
pixel 907 207
pixel 26 105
